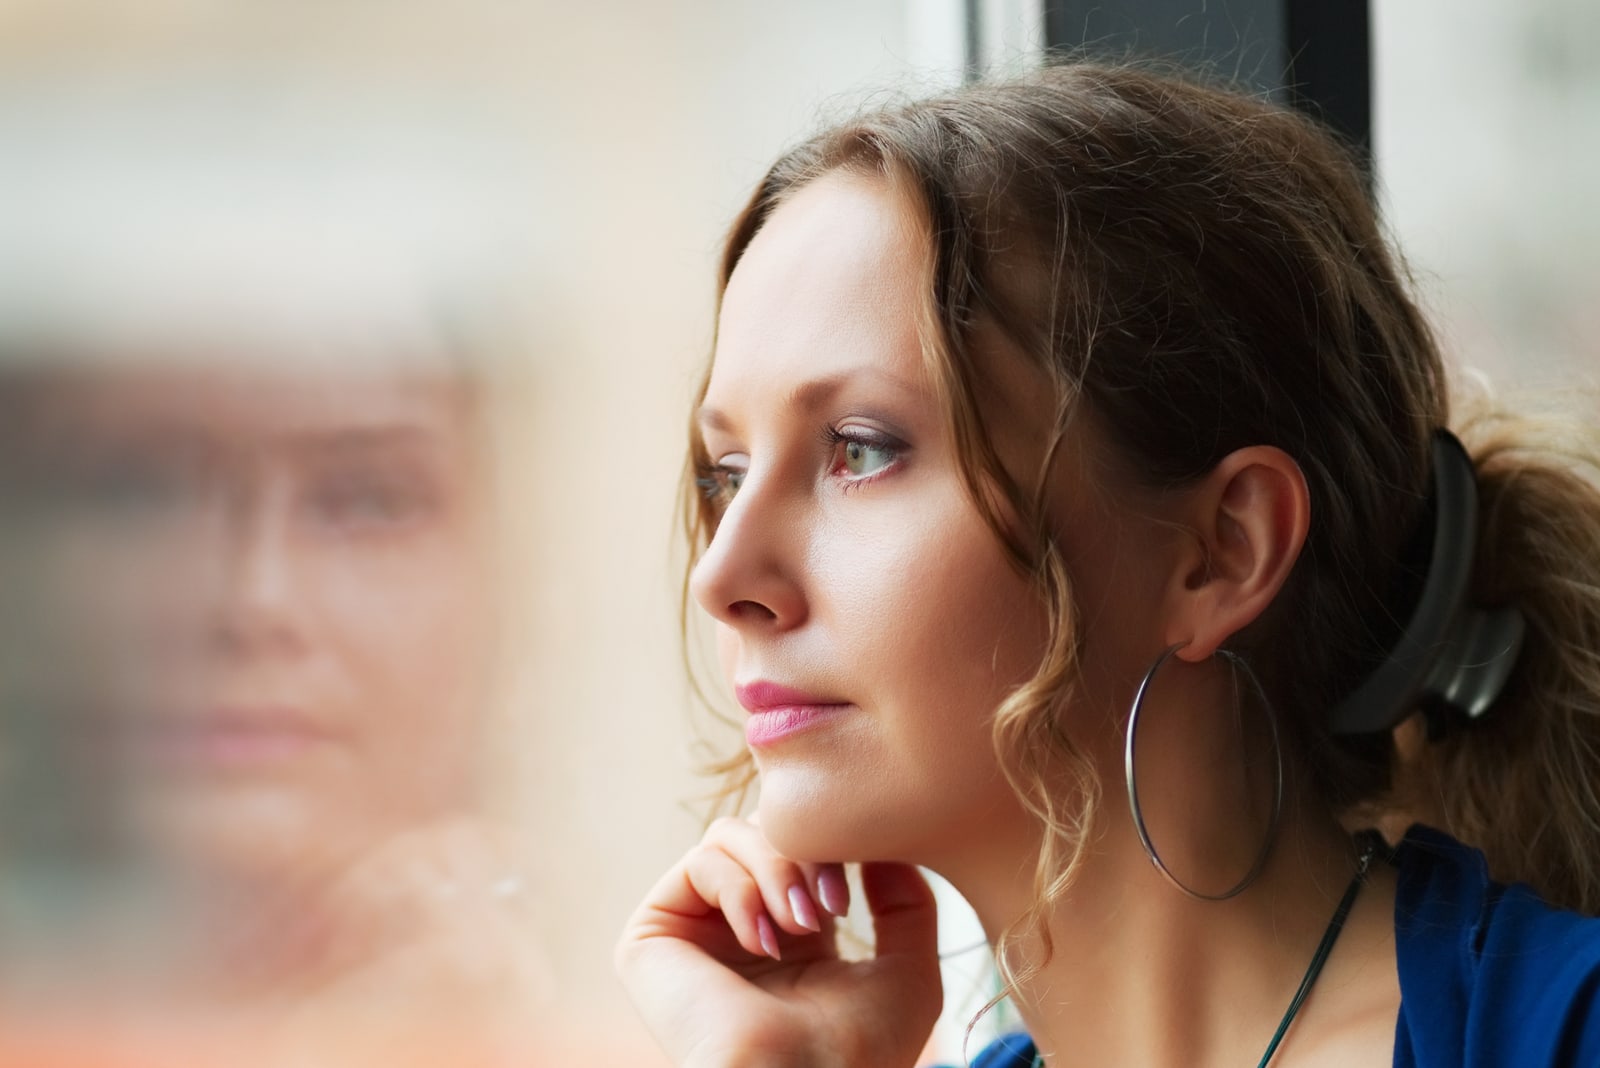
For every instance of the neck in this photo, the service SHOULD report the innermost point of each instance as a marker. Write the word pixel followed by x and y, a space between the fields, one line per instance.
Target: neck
pixel 1140 973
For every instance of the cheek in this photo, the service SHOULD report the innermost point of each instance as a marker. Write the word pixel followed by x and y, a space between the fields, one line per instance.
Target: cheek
pixel 115 619
pixel 953 631
pixel 97 576
pixel 411 627
pixel 928 629
pixel 955 614
pixel 981 640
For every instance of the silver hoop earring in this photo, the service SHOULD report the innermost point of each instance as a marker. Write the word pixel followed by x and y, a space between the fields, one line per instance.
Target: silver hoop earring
pixel 1239 666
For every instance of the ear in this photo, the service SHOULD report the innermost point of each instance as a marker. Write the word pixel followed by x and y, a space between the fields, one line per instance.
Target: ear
pixel 1249 519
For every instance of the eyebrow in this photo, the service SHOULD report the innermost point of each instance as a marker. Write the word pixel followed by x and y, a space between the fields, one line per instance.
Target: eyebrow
pixel 359 439
pixel 808 395
pixel 317 445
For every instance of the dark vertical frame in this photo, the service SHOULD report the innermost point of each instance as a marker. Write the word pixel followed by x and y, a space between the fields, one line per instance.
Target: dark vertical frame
pixel 1330 66
pixel 1313 54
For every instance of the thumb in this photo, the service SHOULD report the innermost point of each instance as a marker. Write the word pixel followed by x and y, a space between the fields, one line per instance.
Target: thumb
pixel 904 916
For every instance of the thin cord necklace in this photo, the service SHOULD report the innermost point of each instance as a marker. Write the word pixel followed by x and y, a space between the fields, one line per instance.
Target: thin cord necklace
pixel 1369 848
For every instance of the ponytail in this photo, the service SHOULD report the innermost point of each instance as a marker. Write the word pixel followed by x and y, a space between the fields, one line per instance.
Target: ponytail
pixel 1522 783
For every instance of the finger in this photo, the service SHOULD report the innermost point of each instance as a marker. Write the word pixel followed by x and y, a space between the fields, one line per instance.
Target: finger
pixel 826 883
pixel 716 879
pixel 904 916
pixel 785 887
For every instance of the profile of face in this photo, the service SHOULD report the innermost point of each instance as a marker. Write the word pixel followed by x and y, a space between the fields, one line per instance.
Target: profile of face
pixel 265 600
pixel 868 617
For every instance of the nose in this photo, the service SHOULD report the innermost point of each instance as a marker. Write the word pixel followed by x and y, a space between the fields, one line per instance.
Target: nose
pixel 751 575
pixel 258 596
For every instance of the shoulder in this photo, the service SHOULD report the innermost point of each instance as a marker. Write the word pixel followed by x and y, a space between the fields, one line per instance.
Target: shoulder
pixel 1008 1051
pixel 1489 974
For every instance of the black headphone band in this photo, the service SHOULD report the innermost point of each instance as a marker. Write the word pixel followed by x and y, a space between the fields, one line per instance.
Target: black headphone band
pixel 1452 657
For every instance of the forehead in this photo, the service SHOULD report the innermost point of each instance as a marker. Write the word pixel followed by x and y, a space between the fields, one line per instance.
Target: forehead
pixel 257 406
pixel 832 281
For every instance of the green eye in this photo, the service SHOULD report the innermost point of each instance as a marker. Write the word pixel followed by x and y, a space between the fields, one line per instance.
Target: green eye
pixel 366 504
pixel 132 489
pixel 718 483
pixel 865 458
pixel 859 453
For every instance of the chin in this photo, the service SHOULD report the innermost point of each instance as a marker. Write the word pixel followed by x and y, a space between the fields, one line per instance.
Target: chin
pixel 275 836
pixel 810 819
pixel 819 815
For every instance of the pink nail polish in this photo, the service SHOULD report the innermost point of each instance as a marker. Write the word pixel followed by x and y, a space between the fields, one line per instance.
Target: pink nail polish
pixel 834 891
pixel 768 937
pixel 805 913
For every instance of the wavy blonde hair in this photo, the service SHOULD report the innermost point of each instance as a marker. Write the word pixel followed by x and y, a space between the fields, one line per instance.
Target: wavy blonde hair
pixel 1203 271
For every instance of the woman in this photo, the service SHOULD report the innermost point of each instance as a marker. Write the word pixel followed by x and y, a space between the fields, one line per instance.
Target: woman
pixel 1079 430
pixel 277 609
pixel 251 551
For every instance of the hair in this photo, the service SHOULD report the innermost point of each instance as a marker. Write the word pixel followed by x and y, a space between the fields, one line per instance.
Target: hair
pixel 1204 271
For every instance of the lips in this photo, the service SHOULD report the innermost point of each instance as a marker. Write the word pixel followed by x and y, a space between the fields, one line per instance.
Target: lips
pixel 763 696
pixel 235 738
pixel 778 712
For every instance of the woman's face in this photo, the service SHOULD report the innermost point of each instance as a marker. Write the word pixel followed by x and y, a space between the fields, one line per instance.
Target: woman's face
pixel 268 594
pixel 868 617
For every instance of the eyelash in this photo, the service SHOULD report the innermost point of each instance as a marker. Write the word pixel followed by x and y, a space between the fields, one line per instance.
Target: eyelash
pixel 837 439
pixel 718 483
pixel 715 484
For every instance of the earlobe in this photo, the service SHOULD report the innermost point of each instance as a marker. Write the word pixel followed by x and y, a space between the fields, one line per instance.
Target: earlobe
pixel 1250 517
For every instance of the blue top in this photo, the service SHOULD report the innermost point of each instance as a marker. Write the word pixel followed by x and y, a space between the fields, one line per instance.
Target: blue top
pixel 1489 974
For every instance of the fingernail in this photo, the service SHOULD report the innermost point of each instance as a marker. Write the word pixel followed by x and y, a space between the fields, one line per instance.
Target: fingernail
pixel 834 891
pixel 768 937
pixel 805 914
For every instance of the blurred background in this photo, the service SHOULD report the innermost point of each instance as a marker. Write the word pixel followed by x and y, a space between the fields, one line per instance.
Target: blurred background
pixel 347 351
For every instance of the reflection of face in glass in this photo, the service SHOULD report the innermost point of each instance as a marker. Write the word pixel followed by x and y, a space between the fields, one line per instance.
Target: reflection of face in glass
pixel 268 597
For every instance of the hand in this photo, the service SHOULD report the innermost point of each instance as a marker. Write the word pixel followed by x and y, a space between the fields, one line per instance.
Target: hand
pixel 424 948
pixel 732 960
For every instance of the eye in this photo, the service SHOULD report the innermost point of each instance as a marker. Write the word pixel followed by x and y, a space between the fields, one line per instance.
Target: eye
pixel 719 482
pixel 366 500
pixel 861 453
pixel 128 489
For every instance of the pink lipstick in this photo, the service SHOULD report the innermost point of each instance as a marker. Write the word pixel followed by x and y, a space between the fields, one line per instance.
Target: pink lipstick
pixel 232 739
pixel 777 712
